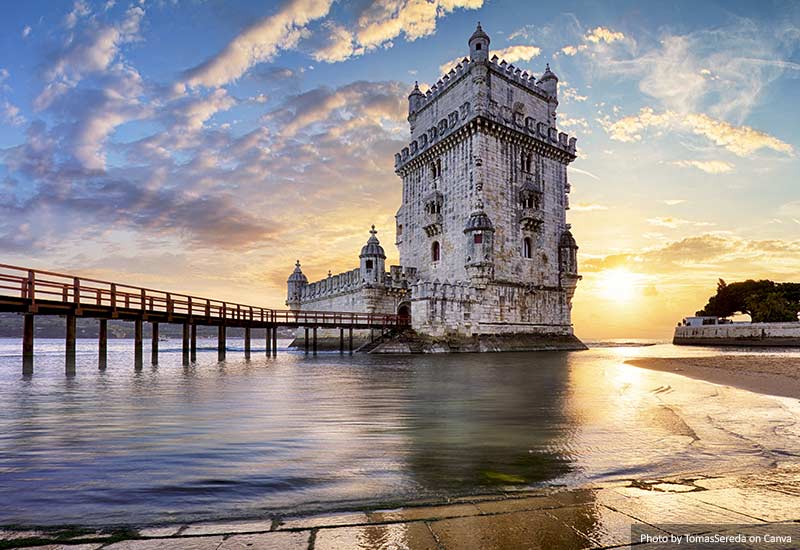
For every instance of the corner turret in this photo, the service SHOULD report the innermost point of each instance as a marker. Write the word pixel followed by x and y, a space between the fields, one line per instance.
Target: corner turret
pixel 479 233
pixel 373 260
pixel 415 99
pixel 549 82
pixel 296 283
pixel 568 264
pixel 479 45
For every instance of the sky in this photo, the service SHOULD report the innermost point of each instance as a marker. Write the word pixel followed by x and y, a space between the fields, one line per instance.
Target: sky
pixel 203 146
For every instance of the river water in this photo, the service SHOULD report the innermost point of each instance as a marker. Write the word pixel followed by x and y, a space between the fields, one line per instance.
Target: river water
pixel 296 433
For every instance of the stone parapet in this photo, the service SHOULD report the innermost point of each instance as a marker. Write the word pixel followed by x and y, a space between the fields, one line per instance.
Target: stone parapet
pixel 740 334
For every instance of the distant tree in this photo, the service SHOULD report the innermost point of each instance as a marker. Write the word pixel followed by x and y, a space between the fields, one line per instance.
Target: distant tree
pixel 771 308
pixel 764 300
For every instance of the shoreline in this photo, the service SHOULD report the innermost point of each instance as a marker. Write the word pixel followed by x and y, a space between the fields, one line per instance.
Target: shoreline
pixel 771 375
pixel 596 516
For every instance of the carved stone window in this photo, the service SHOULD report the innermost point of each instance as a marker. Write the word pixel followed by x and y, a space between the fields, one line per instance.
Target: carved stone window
pixel 477 238
pixel 527 248
pixel 526 161
pixel 369 265
pixel 435 251
pixel 436 168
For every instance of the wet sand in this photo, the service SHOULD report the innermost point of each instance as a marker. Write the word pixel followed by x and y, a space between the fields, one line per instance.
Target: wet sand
pixel 771 375
pixel 598 517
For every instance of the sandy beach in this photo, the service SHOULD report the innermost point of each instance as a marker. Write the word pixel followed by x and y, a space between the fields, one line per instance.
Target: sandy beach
pixel 771 375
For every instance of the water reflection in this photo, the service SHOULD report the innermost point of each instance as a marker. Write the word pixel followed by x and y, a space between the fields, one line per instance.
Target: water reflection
pixel 237 438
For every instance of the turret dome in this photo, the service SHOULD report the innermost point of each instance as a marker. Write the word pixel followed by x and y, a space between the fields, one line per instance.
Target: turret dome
pixel 297 275
pixel 479 33
pixel 373 246
pixel 478 221
pixel 548 74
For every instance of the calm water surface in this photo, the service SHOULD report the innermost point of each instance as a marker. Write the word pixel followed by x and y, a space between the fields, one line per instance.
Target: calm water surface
pixel 239 438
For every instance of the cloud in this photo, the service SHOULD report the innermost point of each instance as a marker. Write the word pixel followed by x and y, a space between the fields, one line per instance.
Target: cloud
pixel 91 51
pixel 720 71
pixel 673 202
pixel 10 114
pixel 339 45
pixel 79 10
pixel 511 54
pixel 573 50
pixel 385 20
pixel 790 209
pixel 593 37
pixel 587 207
pixel 568 93
pixel 354 105
pixel 673 223
pixel 567 122
pixel 667 221
pixel 603 34
pixel 26 31
pixel 258 43
pixel 740 140
pixel 708 256
pixel 708 166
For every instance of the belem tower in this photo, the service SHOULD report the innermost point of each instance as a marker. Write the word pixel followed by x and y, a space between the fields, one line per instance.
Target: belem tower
pixel 488 261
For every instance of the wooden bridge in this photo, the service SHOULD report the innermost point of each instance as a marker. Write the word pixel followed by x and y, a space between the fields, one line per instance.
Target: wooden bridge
pixel 33 292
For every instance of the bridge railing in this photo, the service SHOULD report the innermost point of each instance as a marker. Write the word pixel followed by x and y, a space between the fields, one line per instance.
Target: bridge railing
pixel 38 285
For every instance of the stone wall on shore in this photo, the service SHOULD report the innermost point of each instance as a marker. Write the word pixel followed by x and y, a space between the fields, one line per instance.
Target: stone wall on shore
pixel 739 334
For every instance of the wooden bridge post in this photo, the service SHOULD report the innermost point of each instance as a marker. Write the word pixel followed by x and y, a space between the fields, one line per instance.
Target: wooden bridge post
pixel 70 344
pixel 193 343
pixel 268 339
pixel 351 340
pixel 275 340
pixel 247 342
pixel 221 342
pixel 154 344
pixel 102 344
pixel 341 339
pixel 185 346
pixel 315 340
pixel 137 343
pixel 27 343
pixel 305 342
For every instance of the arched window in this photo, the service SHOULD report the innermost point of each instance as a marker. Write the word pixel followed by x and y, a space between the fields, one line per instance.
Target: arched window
pixel 368 265
pixel 527 248
pixel 435 251
pixel 436 168
pixel 526 161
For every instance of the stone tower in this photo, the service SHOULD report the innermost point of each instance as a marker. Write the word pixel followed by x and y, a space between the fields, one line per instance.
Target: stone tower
pixel 483 217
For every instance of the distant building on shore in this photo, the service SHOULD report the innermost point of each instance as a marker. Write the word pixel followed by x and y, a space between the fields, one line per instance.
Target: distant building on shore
pixel 485 250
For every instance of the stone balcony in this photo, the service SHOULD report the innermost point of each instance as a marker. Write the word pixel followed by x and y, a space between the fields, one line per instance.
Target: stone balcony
pixel 433 223
pixel 531 218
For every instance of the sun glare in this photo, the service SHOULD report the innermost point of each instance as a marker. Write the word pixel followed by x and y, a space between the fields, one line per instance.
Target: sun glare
pixel 617 284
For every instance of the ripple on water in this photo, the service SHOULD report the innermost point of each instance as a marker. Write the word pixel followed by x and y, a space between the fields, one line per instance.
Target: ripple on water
pixel 238 438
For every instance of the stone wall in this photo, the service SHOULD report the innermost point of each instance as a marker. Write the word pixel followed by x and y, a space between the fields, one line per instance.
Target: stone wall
pixel 740 334
pixel 439 309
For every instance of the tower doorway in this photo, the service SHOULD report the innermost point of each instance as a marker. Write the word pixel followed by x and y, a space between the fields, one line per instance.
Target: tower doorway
pixel 404 312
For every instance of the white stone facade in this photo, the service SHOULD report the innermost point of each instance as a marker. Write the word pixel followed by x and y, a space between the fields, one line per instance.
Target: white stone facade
pixel 482 231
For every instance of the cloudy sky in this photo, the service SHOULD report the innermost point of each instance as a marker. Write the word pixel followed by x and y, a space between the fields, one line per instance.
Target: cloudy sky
pixel 204 146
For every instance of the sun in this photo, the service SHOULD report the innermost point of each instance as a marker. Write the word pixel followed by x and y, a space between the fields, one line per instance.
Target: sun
pixel 618 285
